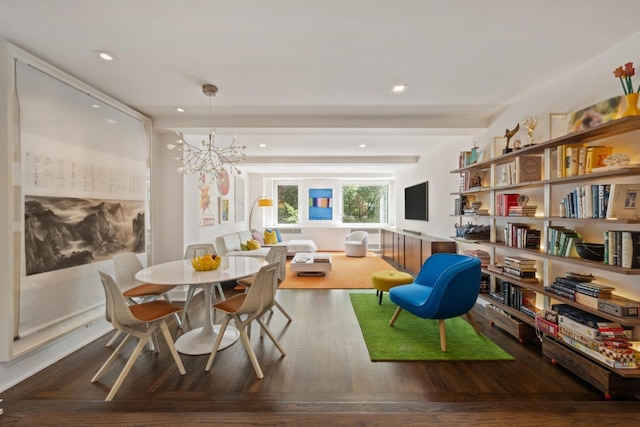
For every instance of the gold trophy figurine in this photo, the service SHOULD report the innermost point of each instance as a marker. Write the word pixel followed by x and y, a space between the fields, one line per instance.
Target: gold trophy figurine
pixel 530 122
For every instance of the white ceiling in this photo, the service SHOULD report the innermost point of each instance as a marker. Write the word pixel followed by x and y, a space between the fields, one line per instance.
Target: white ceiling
pixel 312 80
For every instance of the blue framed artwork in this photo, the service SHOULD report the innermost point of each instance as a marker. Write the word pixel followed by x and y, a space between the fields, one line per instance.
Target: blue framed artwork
pixel 320 204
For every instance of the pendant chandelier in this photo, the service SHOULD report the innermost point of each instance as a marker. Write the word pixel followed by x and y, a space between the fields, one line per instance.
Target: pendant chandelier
pixel 208 158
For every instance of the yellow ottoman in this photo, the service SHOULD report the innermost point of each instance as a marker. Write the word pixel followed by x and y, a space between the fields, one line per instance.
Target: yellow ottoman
pixel 382 281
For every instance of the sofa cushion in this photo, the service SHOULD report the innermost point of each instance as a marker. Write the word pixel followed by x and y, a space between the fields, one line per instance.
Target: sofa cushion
pixel 244 235
pixel 275 230
pixel 257 236
pixel 232 242
pixel 270 237
pixel 252 245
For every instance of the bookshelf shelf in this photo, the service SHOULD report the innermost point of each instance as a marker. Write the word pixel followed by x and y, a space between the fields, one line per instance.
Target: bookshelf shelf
pixel 583 263
pixel 552 186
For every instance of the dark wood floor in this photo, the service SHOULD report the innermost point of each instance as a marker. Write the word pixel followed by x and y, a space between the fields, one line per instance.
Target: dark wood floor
pixel 325 379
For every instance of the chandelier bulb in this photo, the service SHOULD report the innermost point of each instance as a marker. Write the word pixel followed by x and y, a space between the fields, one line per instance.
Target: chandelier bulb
pixel 171 146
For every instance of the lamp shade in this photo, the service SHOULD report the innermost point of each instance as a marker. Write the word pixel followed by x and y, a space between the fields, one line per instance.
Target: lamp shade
pixel 265 202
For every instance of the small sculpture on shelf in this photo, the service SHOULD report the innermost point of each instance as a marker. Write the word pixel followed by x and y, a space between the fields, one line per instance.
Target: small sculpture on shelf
pixel 617 159
pixel 509 134
pixel 530 123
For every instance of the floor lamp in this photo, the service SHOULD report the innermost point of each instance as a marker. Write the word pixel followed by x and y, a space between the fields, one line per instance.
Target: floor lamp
pixel 261 201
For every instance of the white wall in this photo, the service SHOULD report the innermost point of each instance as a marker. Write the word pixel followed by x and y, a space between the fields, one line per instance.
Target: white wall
pixel 434 166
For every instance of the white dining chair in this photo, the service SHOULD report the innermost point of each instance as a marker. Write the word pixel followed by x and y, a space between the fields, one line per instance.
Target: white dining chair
pixel 139 321
pixel 252 305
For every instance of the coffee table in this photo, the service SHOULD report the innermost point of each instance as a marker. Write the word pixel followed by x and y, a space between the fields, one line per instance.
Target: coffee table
pixel 311 263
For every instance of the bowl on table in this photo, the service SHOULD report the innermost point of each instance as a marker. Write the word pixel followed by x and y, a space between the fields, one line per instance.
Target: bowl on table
pixel 590 251
pixel 206 262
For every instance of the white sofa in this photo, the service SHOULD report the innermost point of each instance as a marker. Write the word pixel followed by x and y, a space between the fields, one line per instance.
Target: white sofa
pixel 229 244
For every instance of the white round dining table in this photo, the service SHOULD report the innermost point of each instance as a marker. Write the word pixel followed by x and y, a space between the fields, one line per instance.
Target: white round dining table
pixel 200 340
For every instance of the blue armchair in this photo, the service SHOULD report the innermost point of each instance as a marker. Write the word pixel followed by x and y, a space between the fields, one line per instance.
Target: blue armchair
pixel 447 286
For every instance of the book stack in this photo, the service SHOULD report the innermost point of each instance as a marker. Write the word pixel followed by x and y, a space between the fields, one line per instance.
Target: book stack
pixel 593 335
pixel 528 210
pixel 517 297
pixel 592 201
pixel 495 268
pixel 479 253
pixel 562 241
pixel 581 291
pixel 523 269
pixel 622 248
pixel 479 211
pixel 521 236
pixel 615 344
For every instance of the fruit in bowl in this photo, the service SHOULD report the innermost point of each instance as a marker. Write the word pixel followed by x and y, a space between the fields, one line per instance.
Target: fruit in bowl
pixel 206 262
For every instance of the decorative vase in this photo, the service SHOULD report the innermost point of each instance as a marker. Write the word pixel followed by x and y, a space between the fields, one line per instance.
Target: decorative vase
pixel 632 105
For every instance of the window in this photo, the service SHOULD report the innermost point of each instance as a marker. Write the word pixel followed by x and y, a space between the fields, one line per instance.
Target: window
pixel 287 204
pixel 365 204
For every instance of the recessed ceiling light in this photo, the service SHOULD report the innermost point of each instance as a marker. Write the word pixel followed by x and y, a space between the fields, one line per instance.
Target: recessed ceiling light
pixel 95 105
pixel 111 121
pixel 262 145
pixel 362 145
pixel 399 88
pixel 105 55
pixel 180 110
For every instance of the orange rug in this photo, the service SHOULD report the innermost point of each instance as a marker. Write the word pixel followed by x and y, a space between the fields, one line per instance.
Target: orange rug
pixel 346 273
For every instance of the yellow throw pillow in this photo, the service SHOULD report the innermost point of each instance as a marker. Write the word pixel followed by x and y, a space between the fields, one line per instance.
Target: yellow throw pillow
pixel 253 245
pixel 270 238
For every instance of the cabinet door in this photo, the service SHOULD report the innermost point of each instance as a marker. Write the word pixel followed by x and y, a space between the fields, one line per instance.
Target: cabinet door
pixel 387 244
pixel 398 250
pixel 413 254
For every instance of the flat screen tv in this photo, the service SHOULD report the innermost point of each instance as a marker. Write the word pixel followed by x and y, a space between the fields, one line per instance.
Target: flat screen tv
pixel 416 202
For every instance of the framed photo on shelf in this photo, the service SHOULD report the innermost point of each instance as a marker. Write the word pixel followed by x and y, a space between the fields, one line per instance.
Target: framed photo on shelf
pixel 624 201
pixel 557 125
pixel 499 143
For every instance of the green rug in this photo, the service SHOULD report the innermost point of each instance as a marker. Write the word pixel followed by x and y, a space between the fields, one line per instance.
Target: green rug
pixel 413 338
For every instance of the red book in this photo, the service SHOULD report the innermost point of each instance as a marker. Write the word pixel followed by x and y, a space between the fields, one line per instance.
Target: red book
pixel 507 200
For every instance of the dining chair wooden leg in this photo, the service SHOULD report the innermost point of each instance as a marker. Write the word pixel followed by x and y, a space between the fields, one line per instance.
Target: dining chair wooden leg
pixel 113 338
pixel 172 348
pixel 252 355
pixel 220 291
pixel 110 360
pixel 187 303
pixel 277 304
pixel 395 316
pixel 271 336
pixel 176 315
pixel 126 369
pixel 216 345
